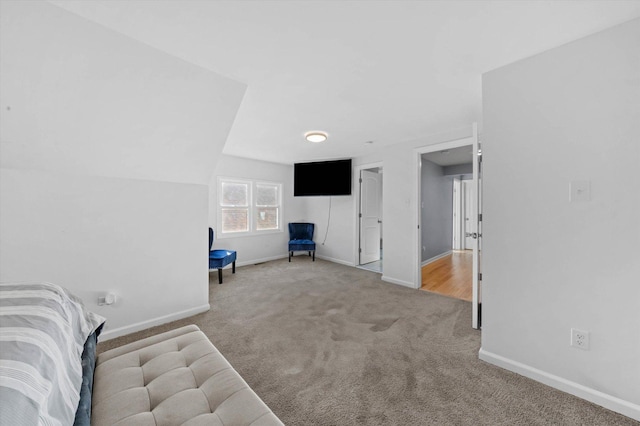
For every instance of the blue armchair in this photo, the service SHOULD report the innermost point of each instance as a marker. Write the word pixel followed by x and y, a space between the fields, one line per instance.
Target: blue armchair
pixel 301 239
pixel 218 259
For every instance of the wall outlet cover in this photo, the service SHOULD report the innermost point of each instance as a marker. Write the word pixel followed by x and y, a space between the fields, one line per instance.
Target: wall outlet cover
pixel 580 339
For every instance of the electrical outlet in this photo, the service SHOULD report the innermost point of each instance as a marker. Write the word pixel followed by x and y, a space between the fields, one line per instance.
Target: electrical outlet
pixel 580 339
pixel 107 299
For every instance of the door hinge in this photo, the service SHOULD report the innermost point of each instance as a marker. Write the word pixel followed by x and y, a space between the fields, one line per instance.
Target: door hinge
pixel 359 250
pixel 479 276
pixel 480 217
pixel 360 180
pixel 359 214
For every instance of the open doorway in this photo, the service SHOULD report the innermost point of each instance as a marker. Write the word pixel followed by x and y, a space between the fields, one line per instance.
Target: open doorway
pixel 446 208
pixel 370 244
pixel 432 246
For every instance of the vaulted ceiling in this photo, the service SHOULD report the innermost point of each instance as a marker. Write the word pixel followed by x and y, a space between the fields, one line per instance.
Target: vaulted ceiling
pixel 380 71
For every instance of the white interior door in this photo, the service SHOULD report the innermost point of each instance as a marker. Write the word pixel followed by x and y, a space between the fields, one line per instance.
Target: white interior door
pixel 369 216
pixel 474 230
pixel 467 188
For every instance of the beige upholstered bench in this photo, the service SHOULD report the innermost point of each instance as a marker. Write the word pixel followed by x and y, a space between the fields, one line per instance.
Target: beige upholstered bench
pixel 174 378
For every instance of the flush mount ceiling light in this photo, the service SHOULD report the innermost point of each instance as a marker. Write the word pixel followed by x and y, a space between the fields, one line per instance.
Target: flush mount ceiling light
pixel 315 137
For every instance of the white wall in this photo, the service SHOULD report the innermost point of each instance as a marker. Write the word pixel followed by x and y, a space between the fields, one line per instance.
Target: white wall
pixel 339 244
pixel 257 248
pixel 145 241
pixel 79 98
pixel 569 114
pixel 334 219
pixel 400 188
pixel 107 146
pixel 399 232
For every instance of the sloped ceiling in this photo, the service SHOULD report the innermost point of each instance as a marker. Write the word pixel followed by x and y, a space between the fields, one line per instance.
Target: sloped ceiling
pixel 80 98
pixel 381 71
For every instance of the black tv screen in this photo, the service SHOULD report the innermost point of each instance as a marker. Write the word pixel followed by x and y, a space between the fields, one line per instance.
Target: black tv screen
pixel 322 178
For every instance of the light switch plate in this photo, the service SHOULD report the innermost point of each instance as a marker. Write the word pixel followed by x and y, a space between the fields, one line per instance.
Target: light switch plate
pixel 580 191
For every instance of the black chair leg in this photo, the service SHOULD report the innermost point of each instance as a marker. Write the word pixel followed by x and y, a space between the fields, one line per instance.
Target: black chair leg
pixel 219 275
pixel 314 255
pixel 233 267
pixel 290 253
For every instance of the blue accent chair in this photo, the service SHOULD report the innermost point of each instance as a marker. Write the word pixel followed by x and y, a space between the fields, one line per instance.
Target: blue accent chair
pixel 301 239
pixel 218 259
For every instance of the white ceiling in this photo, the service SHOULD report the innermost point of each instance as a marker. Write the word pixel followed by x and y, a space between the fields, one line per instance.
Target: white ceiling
pixel 381 71
pixel 451 157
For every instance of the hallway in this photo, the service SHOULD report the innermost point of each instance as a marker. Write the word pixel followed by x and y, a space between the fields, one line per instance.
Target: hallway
pixel 450 275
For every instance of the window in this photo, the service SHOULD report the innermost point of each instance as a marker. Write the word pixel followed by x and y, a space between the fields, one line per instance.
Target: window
pixel 247 207
pixel 234 205
pixel 267 206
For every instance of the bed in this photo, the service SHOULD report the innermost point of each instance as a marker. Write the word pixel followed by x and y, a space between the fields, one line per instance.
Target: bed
pixel 48 342
pixel 50 374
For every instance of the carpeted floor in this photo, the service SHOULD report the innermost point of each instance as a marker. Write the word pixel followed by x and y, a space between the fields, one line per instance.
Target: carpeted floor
pixel 327 344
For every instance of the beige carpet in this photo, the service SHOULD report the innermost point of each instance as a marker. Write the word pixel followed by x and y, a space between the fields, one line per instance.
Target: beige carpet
pixel 326 344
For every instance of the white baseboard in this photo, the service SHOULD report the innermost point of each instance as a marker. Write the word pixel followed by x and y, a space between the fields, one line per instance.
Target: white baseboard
pixel 264 259
pixel 331 259
pixel 610 402
pixel 121 331
pixel 399 282
pixel 434 258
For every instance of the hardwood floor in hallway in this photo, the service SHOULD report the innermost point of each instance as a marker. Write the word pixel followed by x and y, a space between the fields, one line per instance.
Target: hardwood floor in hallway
pixel 450 275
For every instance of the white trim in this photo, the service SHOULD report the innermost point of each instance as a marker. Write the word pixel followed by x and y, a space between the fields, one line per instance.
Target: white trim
pixel 256 207
pixel 610 402
pixel 331 259
pixel 434 258
pixel 397 281
pixel 356 206
pixel 417 237
pixel 143 325
pixel 252 207
pixel 219 230
pixel 475 243
pixel 451 144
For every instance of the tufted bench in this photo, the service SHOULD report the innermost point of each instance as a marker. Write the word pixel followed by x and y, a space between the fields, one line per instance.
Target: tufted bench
pixel 174 378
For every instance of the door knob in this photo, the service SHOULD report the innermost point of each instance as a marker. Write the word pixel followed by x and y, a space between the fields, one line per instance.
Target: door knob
pixel 473 235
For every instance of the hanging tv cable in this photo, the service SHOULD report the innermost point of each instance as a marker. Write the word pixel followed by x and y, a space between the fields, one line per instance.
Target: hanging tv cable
pixel 328 221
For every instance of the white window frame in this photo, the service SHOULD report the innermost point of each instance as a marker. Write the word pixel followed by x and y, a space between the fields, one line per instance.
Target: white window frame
pixel 255 206
pixel 219 231
pixel 252 207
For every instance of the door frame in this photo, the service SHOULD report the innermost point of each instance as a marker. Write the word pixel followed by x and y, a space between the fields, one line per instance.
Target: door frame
pixel 457 143
pixel 356 203
pixel 467 203
pixel 366 222
pixel 457 214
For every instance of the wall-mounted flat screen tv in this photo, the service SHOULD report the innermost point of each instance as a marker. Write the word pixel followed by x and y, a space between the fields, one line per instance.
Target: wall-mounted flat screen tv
pixel 322 178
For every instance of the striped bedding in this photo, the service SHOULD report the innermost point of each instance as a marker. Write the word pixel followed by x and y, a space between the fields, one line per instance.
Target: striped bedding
pixel 43 329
